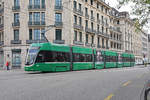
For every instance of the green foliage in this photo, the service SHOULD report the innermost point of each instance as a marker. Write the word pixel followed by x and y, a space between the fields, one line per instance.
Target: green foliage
pixel 141 9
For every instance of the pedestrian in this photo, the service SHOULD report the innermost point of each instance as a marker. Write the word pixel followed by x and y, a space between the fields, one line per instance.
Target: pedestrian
pixel 7 65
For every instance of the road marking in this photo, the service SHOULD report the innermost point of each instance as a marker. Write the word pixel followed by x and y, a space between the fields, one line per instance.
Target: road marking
pixel 109 97
pixel 127 83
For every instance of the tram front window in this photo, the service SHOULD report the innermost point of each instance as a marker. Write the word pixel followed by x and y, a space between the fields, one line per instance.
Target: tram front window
pixel 32 53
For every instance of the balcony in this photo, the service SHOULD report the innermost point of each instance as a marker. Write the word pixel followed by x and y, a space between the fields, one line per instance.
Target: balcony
pixel 78 43
pixel 92 18
pixel 16 41
pixel 16 24
pixel 88 44
pixel 59 41
pixel 35 41
pixel 58 8
pixel 16 8
pixel 90 30
pixel 58 24
pixel 36 23
pixel 36 7
pixel 78 11
pixel 86 16
pixel 79 27
pixel 1 43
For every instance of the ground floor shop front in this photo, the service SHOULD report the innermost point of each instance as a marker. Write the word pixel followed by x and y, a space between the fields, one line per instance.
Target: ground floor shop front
pixel 14 55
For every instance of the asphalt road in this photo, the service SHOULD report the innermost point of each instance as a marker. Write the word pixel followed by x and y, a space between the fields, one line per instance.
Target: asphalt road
pixel 106 84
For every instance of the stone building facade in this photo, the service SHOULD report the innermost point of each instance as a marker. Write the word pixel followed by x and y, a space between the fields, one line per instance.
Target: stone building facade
pixel 87 23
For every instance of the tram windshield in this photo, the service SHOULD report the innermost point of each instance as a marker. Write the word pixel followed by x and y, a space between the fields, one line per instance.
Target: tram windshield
pixel 32 53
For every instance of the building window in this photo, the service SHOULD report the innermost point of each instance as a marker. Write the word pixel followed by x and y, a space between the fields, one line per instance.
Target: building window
pixel 16 3
pixel 16 17
pixel 92 39
pixel 58 34
pixel 97 28
pixel 103 42
pixel 16 58
pixel 75 19
pixel 97 16
pixel 43 17
pixel 118 22
pixel 36 34
pixel 86 0
pixel 30 2
pixel 30 16
pixel 75 35
pixel 91 2
pixel 92 26
pixel 43 32
pixel 86 11
pixel 80 36
pixel 106 43
pixel 30 34
pixel 80 21
pixel 87 38
pixel 102 30
pixel 102 8
pixel 16 34
pixel 86 23
pixel 43 3
pixel 80 7
pixel 91 13
pixel 98 40
pixel 58 2
pixel 36 16
pixel 37 2
pixel 58 17
pixel 75 4
pixel 97 5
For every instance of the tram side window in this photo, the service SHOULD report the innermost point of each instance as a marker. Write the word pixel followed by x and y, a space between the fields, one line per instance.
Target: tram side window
pixel 111 59
pixel 99 57
pixel 82 57
pixel 53 56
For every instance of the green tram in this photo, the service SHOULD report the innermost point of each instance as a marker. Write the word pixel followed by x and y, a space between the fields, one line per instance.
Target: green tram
pixel 56 58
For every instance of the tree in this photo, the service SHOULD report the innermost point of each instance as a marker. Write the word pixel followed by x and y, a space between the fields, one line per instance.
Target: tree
pixel 141 9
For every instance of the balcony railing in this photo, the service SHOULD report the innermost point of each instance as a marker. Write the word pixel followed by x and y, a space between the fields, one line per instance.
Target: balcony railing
pixel 58 8
pixel 92 18
pixel 15 24
pixel 78 11
pixel 78 43
pixel 98 21
pixel 16 8
pixel 90 30
pixel 1 43
pixel 86 16
pixel 79 27
pixel 35 41
pixel 16 41
pixel 58 24
pixel 59 41
pixel 88 44
pixel 35 7
pixel 36 23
